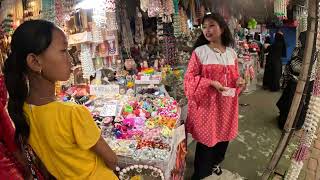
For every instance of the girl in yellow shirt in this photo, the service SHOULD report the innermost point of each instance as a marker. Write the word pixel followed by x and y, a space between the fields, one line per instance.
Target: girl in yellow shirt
pixel 63 135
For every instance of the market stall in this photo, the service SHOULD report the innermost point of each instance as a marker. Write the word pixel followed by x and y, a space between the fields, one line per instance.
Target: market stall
pixel 144 129
pixel 248 63
pixel 123 81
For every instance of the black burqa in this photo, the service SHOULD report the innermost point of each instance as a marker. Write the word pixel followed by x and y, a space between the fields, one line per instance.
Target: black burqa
pixel 291 75
pixel 273 68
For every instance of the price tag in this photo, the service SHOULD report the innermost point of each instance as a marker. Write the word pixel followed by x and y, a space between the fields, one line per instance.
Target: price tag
pixel 104 90
pixel 109 109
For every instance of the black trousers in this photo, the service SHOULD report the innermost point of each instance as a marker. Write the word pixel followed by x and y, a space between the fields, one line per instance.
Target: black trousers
pixel 206 158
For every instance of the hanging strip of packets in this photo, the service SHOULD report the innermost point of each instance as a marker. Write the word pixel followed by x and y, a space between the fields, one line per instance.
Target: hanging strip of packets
pixel 58 7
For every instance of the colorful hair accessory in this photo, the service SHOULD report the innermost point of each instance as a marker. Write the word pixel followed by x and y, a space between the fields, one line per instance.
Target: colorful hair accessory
pixel 142 114
pixel 150 124
pixel 148 115
pixel 118 134
pixel 128 109
pixel 128 122
pixel 131 116
pixel 148 71
pixel 130 84
pixel 139 121
pixel 153 114
pixel 136 112
pixel 146 105
pixel 166 132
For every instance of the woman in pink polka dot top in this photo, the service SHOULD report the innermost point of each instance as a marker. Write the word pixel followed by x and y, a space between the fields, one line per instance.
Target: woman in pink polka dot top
pixel 212 85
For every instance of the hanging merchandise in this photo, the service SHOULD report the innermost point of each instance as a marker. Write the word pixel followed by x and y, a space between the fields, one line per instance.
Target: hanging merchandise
pixel 99 16
pixel 59 13
pixel 30 9
pixel 168 10
pixel 183 22
pixel 160 28
pixel 99 22
pixel 176 19
pixel 86 61
pixel 7 7
pixel 311 120
pixel 193 12
pixel 252 24
pixel 202 11
pixel 127 38
pixel 67 6
pixel 139 34
pixel 144 4
pixel 176 6
pixel 303 23
pixel 233 23
pixel 112 24
pixel 111 19
pixel 198 11
pixel 110 5
pixel 48 10
pixel 97 36
pixel 310 128
pixel 177 25
pixel 168 7
pixel 18 12
pixel 169 50
pixel 7 25
pixel 302 17
pixel 155 8
pixel 280 8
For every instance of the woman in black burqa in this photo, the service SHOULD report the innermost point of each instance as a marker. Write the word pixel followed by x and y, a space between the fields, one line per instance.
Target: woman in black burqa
pixel 273 68
pixel 291 75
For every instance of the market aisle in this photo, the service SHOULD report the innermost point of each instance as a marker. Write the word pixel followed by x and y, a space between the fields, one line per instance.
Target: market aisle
pixel 258 136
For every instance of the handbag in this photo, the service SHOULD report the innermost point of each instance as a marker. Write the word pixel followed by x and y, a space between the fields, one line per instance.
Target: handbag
pixel 37 168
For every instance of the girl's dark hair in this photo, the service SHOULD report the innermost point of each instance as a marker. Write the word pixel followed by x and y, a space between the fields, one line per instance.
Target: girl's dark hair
pixel 226 36
pixel 32 36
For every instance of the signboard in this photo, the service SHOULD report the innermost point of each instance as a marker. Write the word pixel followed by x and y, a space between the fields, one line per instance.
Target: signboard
pixel 104 90
pixel 109 109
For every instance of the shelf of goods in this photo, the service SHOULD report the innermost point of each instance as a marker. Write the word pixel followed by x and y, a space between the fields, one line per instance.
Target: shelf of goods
pixel 145 131
pixel 249 68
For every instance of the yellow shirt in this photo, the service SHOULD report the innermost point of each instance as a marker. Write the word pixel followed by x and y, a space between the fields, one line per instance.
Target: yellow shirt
pixel 61 134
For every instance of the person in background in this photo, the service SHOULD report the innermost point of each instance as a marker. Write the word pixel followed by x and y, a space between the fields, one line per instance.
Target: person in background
pixel 265 51
pixel 291 76
pixel 257 39
pixel 273 68
pixel 12 164
pixel 62 135
pixel 212 85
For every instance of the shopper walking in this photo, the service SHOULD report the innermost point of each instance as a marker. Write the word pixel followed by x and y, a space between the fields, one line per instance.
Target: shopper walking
pixel 212 85
pixel 273 68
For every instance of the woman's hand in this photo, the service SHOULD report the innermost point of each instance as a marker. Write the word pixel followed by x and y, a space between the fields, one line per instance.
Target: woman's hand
pixel 217 85
pixel 241 82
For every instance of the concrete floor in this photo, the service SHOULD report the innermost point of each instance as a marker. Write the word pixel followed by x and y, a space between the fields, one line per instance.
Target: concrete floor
pixel 258 136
